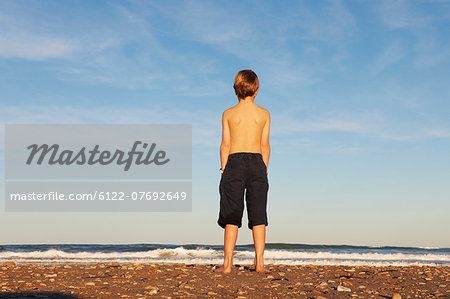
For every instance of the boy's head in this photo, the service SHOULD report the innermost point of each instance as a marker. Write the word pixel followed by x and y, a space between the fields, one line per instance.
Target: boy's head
pixel 246 84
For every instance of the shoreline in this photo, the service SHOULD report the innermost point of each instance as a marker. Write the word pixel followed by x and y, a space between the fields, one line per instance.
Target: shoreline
pixel 142 280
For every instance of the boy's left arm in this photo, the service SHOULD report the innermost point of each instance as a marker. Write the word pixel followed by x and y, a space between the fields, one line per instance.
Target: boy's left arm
pixel 265 146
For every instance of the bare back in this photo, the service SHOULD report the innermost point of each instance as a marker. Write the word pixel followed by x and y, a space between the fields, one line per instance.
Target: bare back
pixel 246 123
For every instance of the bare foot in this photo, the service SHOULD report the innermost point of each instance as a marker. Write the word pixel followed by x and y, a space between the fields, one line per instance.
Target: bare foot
pixel 223 270
pixel 262 270
pixel 253 266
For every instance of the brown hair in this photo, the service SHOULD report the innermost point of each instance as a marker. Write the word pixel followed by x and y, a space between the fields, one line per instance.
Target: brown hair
pixel 246 84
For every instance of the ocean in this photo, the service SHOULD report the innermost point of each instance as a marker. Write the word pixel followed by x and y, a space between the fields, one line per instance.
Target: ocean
pixel 276 253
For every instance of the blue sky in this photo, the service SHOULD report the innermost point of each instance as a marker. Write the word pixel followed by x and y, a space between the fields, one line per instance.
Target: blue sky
pixel 358 93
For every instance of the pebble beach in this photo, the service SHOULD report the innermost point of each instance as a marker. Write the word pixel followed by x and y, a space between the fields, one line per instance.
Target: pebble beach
pixel 113 280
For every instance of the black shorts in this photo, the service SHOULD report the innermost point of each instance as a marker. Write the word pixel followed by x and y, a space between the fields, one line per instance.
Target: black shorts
pixel 243 172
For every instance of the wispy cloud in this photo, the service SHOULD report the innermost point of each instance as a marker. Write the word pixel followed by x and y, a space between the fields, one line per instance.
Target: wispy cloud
pixel 205 124
pixel 18 41
pixel 403 14
pixel 389 55
pixel 337 121
pixel 34 47
pixel 367 124
pixel 394 14
pixel 123 50
pixel 264 40
pixel 431 50
pixel 424 26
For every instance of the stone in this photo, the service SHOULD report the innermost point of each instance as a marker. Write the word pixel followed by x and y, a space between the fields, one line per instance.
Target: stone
pixel 347 283
pixel 343 289
pixel 396 296
pixel 316 292
pixel 323 284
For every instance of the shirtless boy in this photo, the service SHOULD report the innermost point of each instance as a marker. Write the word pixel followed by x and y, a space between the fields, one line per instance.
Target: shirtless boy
pixel 244 156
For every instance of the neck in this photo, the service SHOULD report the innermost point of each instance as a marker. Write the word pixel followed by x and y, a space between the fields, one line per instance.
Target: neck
pixel 247 99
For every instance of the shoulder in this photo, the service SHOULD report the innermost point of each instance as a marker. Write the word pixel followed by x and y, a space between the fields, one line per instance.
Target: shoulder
pixel 263 111
pixel 229 111
pixel 226 114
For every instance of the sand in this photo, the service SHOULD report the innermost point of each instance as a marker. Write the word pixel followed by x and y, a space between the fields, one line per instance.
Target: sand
pixel 199 281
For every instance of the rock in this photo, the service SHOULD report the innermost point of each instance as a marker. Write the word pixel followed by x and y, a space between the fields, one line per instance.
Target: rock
pixel 276 285
pixel 52 275
pixel 323 284
pixel 396 296
pixel 90 284
pixel 316 292
pixel 153 292
pixel 343 289
pixel 211 293
pixel 347 283
pixel 269 276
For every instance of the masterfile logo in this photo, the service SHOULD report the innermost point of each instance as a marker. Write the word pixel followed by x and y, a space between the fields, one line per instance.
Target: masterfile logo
pixel 53 155
pixel 98 151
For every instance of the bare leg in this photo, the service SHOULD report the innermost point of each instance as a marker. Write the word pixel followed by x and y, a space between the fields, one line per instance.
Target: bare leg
pixel 231 232
pixel 259 238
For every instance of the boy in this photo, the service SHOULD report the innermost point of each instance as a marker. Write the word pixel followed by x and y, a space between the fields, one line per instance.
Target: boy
pixel 244 156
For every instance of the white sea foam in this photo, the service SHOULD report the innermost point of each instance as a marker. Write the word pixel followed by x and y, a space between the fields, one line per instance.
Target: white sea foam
pixel 211 256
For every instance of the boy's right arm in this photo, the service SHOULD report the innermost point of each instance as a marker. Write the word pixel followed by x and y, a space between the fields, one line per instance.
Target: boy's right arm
pixel 225 145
